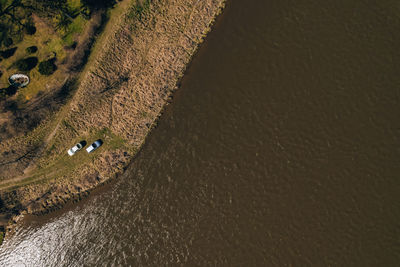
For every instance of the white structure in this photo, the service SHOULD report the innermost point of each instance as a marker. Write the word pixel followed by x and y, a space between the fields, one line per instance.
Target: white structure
pixel 19 80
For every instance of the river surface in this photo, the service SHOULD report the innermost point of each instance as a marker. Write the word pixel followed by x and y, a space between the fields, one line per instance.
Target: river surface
pixel 281 147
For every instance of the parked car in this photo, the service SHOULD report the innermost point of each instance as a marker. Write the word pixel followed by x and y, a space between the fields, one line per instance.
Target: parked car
pixel 75 149
pixel 94 146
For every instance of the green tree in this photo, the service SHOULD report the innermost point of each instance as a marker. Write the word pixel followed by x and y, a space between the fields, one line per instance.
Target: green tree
pixel 26 64
pixel 31 49
pixel 47 67
pixel 93 4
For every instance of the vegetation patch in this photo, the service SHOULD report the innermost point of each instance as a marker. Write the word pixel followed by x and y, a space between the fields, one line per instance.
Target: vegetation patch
pixel 47 67
pixel 72 29
pixel 8 41
pixel 8 91
pixel 139 9
pixel 26 64
pixel 31 49
pixel 1 236
pixel 30 29
pixel 95 4
pixel 8 52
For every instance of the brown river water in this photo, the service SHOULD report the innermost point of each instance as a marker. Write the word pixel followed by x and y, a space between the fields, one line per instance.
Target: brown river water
pixel 281 147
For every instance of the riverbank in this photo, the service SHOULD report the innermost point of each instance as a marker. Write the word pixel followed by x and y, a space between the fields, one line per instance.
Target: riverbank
pixel 118 98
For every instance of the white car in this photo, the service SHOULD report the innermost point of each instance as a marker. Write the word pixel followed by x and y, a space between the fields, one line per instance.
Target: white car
pixel 75 149
pixel 94 146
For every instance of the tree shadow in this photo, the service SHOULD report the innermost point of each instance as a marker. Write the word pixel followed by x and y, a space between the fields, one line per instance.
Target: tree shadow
pixel 11 106
pixel 30 29
pixel 66 90
pixel 27 64
pixel 8 52
pixel 9 91
pixel 31 49
pixel 48 67
pixel 97 4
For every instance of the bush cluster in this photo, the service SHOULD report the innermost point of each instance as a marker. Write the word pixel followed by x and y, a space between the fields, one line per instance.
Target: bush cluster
pixel 31 49
pixel 30 29
pixel 8 52
pixel 47 67
pixel 26 64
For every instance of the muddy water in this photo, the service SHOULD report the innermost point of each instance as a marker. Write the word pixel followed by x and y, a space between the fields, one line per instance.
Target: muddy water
pixel 280 148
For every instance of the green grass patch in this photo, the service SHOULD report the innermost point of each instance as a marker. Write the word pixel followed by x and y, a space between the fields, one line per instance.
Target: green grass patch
pixel 110 140
pixel 1 237
pixel 63 164
pixel 73 29
pixel 139 9
pixel 74 5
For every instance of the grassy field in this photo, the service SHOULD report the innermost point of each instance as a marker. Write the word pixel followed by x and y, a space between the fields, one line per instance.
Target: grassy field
pixel 62 165
pixel 54 38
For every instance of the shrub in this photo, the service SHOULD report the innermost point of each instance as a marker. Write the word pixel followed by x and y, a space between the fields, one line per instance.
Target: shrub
pixel 139 10
pixel 47 67
pixel 26 64
pixel 98 3
pixel 1 236
pixel 30 29
pixel 8 42
pixel 8 52
pixel 9 91
pixel 2 93
pixel 31 49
